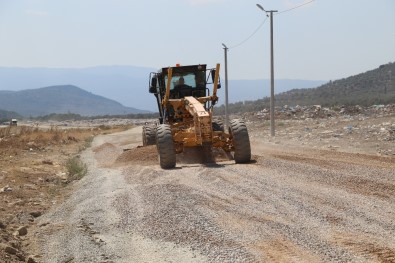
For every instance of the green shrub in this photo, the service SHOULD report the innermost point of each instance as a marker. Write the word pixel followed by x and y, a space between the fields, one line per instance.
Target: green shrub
pixel 76 168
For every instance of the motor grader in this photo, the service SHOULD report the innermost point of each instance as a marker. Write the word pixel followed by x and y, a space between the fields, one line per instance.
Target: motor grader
pixel 186 115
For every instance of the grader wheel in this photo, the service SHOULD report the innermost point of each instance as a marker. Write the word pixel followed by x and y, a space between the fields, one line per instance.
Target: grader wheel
pixel 241 141
pixel 218 125
pixel 165 145
pixel 149 135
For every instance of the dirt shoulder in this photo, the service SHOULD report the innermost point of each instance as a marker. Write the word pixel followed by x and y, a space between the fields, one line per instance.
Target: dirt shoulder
pixel 34 177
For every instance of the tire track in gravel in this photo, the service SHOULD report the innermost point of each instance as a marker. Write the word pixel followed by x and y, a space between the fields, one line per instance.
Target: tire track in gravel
pixel 290 205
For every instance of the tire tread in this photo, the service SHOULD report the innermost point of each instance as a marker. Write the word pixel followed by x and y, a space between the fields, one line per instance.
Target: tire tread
pixel 241 141
pixel 165 146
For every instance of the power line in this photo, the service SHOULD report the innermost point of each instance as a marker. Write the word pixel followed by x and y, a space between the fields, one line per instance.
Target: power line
pixel 295 7
pixel 259 27
pixel 248 38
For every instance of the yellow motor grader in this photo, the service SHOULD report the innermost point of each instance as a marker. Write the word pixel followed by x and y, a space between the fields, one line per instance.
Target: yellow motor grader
pixel 186 115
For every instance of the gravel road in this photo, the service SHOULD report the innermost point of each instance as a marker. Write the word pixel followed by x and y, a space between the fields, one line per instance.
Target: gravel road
pixel 289 205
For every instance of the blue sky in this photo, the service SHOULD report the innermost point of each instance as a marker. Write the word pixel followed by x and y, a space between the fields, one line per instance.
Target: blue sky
pixel 323 40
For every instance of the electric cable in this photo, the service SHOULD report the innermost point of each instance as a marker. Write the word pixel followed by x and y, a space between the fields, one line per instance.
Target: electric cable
pixel 295 7
pixel 259 27
pixel 248 38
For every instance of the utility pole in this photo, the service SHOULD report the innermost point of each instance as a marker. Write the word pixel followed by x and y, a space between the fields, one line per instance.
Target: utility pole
pixel 226 87
pixel 272 125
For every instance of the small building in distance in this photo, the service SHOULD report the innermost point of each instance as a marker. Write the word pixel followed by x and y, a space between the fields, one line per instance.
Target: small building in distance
pixel 14 122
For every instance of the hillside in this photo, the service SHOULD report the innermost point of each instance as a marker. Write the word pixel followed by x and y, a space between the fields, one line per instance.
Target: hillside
pixel 129 84
pixel 243 90
pixel 60 99
pixel 8 115
pixel 372 87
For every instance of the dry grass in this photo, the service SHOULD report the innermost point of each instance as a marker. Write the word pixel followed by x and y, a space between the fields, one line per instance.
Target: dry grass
pixel 27 136
pixel 38 164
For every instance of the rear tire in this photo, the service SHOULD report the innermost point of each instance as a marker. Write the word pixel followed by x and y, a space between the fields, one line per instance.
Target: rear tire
pixel 165 146
pixel 241 141
pixel 218 125
pixel 149 136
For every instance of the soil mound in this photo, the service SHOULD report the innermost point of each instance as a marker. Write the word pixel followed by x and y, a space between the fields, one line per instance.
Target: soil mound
pixel 141 155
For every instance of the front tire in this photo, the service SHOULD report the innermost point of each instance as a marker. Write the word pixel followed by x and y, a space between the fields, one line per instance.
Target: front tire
pixel 241 141
pixel 165 146
pixel 149 135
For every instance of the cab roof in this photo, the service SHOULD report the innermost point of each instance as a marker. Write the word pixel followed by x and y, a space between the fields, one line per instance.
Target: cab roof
pixel 185 69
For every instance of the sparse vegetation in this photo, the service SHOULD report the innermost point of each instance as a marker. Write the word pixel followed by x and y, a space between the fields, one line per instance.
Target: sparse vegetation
pixel 59 117
pixel 8 115
pixel 76 168
pixel 372 87
pixel 5 131
pixel 72 116
pixel 104 127
pixel 36 165
pixel 87 143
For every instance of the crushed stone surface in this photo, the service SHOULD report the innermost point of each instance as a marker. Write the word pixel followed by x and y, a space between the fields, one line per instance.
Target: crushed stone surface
pixel 290 204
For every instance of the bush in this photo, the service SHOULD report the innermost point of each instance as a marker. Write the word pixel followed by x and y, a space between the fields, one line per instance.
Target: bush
pixel 76 168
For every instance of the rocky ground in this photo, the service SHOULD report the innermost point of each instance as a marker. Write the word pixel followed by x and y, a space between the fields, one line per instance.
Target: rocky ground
pixel 34 180
pixel 349 129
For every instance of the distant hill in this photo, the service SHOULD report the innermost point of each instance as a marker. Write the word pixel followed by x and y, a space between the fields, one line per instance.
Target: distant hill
pixel 243 90
pixel 8 115
pixel 129 84
pixel 60 99
pixel 372 87
pixel 126 84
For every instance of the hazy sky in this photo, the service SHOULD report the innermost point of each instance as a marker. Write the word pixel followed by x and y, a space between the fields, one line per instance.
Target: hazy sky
pixel 323 40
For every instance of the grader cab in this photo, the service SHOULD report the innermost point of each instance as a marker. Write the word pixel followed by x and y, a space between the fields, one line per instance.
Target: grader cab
pixel 185 104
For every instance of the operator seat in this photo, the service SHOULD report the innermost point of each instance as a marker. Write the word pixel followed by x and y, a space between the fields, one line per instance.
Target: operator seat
pixel 182 90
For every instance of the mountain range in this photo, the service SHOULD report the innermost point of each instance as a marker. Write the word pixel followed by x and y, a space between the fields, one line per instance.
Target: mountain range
pixel 128 85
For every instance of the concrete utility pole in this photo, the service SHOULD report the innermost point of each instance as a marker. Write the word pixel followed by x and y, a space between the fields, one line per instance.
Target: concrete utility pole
pixel 272 127
pixel 226 87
